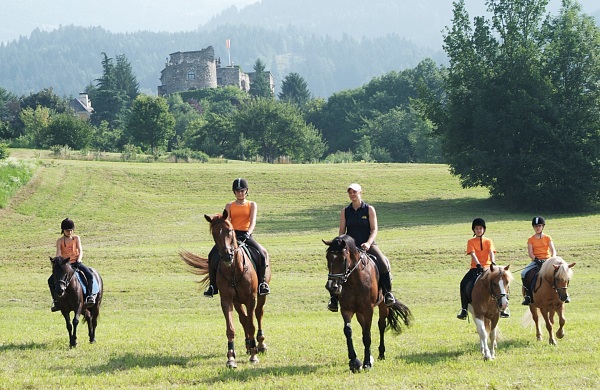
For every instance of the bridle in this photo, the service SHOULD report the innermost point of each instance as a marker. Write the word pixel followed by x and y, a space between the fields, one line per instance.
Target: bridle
pixel 557 288
pixel 498 297
pixel 64 282
pixel 227 255
pixel 342 277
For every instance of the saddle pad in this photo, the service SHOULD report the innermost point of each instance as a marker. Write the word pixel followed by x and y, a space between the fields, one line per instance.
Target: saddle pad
pixel 95 285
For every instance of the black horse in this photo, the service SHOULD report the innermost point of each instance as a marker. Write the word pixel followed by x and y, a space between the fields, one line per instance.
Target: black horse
pixel 69 296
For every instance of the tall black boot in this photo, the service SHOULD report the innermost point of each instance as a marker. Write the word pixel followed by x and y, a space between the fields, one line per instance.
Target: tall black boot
pixel 526 294
pixel 263 286
pixel 386 287
pixel 53 294
pixel 90 300
pixel 213 264
pixel 333 304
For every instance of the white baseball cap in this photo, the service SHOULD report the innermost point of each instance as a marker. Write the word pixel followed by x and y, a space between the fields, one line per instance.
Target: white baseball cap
pixel 355 186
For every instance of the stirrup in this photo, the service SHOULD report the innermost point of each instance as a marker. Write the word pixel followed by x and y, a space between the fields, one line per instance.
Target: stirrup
pixel 504 314
pixel 90 301
pixel 526 300
pixel 463 314
pixel 210 291
pixel 332 305
pixel 263 289
pixel 389 299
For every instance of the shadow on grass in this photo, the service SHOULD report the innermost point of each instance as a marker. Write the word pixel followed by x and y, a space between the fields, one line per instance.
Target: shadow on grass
pixel 22 347
pixel 250 372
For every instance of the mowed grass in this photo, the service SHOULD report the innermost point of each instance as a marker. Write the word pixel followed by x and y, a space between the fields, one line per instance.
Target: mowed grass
pixel 157 331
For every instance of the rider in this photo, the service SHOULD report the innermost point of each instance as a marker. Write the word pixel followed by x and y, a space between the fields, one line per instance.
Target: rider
pixel 69 245
pixel 482 252
pixel 242 215
pixel 359 221
pixel 540 248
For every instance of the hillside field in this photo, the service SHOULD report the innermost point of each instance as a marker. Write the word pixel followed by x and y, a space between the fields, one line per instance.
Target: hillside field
pixel 156 331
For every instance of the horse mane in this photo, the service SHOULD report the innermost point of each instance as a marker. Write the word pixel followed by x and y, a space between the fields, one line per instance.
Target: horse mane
pixel 563 272
pixel 341 242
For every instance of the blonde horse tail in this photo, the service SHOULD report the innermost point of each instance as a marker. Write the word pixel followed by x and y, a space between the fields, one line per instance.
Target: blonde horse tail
pixel 199 265
pixel 527 319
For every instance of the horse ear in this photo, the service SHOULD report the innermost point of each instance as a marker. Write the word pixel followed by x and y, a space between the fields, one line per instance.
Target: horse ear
pixel 572 265
pixel 66 260
pixel 225 214
pixel 51 258
pixel 492 267
pixel 207 217
pixel 507 267
pixel 556 266
pixel 328 242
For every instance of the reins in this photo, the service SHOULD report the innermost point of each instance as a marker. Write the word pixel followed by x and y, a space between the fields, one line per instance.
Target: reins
pixel 230 253
pixel 343 277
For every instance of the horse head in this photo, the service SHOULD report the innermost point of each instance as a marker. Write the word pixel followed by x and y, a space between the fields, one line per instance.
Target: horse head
pixel 224 236
pixel 63 273
pixel 342 259
pixel 500 278
pixel 558 273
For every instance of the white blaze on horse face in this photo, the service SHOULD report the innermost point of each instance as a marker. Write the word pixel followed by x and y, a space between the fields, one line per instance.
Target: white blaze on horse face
pixel 504 299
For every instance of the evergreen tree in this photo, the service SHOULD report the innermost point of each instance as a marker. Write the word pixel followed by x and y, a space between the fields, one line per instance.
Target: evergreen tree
pixel 294 90
pixel 260 85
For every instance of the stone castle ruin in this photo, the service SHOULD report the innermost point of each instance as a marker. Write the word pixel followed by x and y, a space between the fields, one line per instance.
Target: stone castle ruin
pixel 191 70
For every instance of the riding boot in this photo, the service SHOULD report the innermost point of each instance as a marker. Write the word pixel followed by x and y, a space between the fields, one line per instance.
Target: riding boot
pixel 333 304
pixel 526 295
pixel 386 287
pixel 463 314
pixel 263 286
pixel 90 300
pixel 212 276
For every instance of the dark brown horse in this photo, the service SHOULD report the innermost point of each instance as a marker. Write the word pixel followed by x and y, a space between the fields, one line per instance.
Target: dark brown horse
pixel 70 298
pixel 488 297
pixel 550 294
pixel 237 283
pixel 353 278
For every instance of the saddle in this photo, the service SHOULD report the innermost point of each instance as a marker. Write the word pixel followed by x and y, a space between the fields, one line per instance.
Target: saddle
pixel 470 285
pixel 253 254
pixel 530 279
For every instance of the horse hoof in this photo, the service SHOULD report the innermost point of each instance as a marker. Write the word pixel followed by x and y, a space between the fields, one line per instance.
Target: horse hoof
pixel 254 360
pixel 355 365
pixel 231 364
pixel 560 335
pixel 262 348
pixel 93 341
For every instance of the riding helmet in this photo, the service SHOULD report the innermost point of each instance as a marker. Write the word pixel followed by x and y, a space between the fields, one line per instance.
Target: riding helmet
pixel 478 222
pixel 538 221
pixel 67 224
pixel 240 184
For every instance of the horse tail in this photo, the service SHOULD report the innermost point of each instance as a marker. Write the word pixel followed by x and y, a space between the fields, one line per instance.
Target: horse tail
pixel 527 319
pixel 399 316
pixel 199 264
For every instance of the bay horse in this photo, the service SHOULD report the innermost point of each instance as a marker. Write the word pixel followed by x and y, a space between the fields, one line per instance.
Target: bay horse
pixel 550 294
pixel 353 278
pixel 70 298
pixel 237 283
pixel 488 297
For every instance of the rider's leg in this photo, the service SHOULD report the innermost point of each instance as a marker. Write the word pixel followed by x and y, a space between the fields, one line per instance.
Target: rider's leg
pixel 464 301
pixel 526 292
pixel 89 299
pixel 385 279
pixel 213 262
pixel 263 286
pixel 51 284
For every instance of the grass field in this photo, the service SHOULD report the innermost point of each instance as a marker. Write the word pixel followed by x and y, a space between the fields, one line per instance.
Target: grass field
pixel 157 331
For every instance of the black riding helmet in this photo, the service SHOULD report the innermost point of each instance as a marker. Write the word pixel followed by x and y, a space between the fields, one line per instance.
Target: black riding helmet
pixel 478 222
pixel 239 184
pixel 538 221
pixel 67 224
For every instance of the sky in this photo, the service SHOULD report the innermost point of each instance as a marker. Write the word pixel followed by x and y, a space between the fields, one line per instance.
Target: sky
pixel 21 17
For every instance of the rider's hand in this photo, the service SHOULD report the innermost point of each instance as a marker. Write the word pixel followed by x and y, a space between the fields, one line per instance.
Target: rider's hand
pixel 479 267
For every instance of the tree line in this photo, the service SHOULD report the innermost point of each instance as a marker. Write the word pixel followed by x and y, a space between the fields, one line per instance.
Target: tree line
pixel 516 111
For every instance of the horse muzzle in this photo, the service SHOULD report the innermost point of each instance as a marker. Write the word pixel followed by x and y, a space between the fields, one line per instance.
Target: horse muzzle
pixel 333 287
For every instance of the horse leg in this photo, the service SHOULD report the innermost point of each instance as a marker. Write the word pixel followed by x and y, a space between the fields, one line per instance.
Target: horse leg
pixel 483 337
pixel 250 330
pixel 243 318
pixel 259 312
pixel 92 320
pixel 493 338
pixel 381 323
pixel 549 321
pixel 365 320
pixel 70 328
pixel 560 333
pixel 230 331
pixel 534 315
pixel 355 363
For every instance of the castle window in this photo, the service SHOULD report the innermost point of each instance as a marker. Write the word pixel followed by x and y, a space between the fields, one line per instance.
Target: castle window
pixel 191 75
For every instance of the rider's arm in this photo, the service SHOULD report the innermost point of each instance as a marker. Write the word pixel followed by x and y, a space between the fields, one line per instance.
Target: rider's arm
pixel 530 251
pixel 373 225
pixel 342 229
pixel 253 212
pixel 78 243
pixel 552 249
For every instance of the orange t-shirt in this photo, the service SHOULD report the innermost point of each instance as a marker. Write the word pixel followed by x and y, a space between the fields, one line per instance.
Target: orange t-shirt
pixel 483 255
pixel 68 248
pixel 541 247
pixel 240 215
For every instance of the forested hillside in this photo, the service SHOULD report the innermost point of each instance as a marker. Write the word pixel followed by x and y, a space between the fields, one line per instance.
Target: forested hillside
pixel 69 58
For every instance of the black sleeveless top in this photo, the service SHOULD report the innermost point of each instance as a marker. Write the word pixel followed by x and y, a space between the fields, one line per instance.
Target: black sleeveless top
pixel 357 223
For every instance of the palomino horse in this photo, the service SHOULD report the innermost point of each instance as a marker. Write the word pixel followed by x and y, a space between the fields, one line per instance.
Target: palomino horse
pixel 488 297
pixel 353 277
pixel 69 296
pixel 237 283
pixel 550 294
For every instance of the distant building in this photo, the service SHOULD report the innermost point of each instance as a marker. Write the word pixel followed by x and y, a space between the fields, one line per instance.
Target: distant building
pixel 82 106
pixel 191 70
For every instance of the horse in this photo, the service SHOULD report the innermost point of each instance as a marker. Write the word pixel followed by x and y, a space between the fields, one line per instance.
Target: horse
pixel 237 283
pixel 69 297
pixel 488 297
pixel 353 278
pixel 550 294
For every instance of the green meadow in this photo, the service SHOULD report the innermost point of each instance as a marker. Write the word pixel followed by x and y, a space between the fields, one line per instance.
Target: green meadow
pixel 157 331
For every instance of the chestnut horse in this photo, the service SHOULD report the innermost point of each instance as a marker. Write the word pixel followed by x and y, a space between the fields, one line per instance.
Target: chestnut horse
pixel 488 297
pixel 353 278
pixel 550 294
pixel 237 283
pixel 69 297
